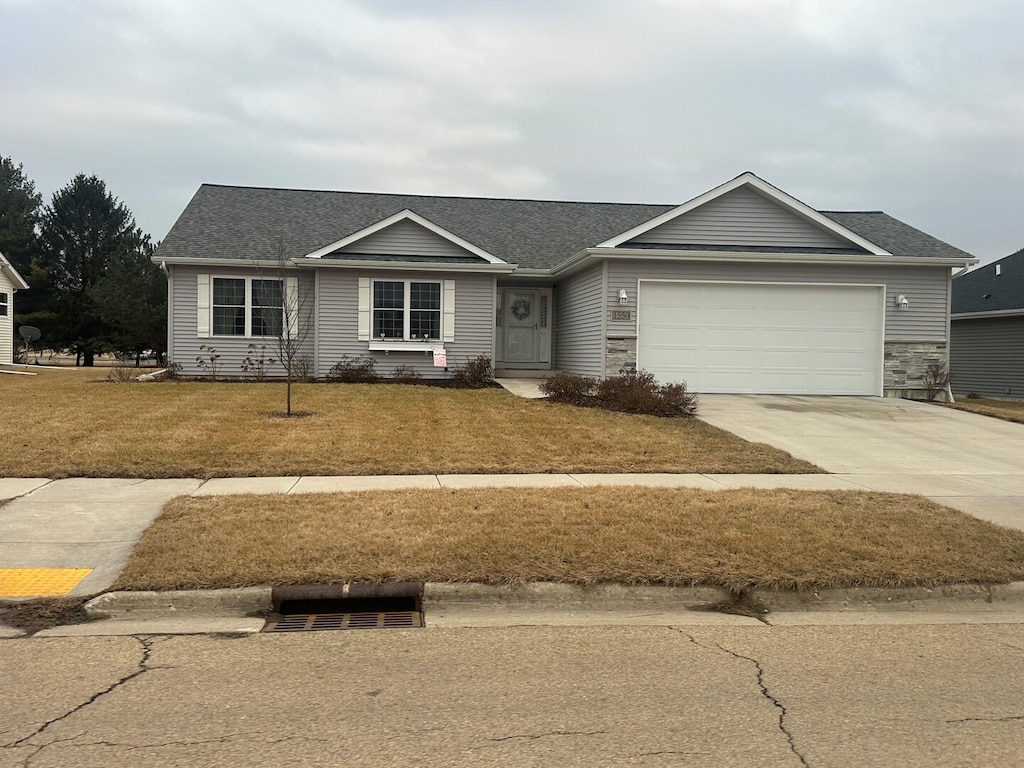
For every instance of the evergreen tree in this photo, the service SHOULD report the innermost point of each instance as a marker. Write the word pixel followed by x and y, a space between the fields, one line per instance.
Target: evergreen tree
pixel 19 215
pixel 132 302
pixel 82 231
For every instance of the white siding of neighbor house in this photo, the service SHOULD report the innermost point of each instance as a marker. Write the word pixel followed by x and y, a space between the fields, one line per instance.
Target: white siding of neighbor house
pixel 741 217
pixel 7 322
pixel 925 288
pixel 579 331
pixel 184 342
pixel 986 356
pixel 337 311
pixel 406 238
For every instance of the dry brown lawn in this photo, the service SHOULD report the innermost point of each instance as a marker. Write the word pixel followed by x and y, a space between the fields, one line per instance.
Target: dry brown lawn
pixel 1010 410
pixel 74 423
pixel 627 535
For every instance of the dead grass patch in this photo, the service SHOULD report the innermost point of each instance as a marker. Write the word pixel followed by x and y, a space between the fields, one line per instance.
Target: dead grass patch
pixel 632 535
pixel 1009 410
pixel 44 613
pixel 68 424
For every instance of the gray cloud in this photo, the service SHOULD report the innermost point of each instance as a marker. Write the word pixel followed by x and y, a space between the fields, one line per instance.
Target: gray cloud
pixel 911 107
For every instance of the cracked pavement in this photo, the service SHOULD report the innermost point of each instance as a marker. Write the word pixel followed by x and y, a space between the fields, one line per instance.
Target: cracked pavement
pixel 525 696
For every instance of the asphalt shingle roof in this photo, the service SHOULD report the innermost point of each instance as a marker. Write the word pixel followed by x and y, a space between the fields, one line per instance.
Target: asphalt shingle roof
pixel 982 290
pixel 226 222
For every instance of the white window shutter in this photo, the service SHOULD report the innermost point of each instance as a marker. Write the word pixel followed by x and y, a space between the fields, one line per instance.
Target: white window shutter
pixel 364 309
pixel 291 289
pixel 448 319
pixel 203 306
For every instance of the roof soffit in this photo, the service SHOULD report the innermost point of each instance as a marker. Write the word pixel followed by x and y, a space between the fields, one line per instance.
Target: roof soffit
pixel 12 274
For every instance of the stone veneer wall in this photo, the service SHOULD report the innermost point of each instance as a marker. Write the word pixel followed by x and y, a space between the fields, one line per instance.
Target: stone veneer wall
pixel 619 354
pixel 904 367
pixel 906 363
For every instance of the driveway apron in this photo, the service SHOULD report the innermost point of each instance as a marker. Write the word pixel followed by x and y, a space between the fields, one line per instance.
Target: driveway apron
pixel 971 462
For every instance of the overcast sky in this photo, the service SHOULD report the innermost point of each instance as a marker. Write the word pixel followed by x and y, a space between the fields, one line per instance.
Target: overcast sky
pixel 914 107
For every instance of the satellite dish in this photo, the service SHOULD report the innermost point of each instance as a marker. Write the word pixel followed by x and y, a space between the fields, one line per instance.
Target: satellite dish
pixel 30 333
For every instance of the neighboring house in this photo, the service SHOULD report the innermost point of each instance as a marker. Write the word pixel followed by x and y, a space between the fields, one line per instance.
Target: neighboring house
pixel 10 281
pixel 742 289
pixel 987 330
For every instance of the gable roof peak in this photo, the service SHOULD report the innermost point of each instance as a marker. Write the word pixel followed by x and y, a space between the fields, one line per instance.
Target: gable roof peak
pixel 766 190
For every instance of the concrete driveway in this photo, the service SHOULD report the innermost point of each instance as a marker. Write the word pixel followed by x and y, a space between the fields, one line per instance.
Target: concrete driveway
pixel 971 462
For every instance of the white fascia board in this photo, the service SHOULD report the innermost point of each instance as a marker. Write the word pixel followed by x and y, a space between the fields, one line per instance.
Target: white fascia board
pixel 993 313
pixel 402 216
pixel 12 274
pixel 307 262
pixel 776 194
pixel 664 254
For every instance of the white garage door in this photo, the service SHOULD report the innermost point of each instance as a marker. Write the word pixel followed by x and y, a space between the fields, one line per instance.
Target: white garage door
pixel 762 338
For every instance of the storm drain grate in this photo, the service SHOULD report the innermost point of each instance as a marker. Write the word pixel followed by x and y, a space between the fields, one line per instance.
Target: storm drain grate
pixel 311 622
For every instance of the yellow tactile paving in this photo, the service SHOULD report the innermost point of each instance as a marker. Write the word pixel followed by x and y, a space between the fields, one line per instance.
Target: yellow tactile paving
pixel 40 582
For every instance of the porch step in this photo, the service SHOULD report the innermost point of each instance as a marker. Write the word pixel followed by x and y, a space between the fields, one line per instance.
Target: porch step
pixel 523 373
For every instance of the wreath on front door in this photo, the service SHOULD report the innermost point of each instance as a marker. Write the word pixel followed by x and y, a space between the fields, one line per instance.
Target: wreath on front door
pixel 521 309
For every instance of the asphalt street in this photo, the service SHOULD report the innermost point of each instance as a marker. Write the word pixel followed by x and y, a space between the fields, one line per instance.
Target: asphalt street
pixel 524 696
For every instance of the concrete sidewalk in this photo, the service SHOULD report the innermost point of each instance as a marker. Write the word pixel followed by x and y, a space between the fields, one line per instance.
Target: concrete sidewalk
pixel 94 523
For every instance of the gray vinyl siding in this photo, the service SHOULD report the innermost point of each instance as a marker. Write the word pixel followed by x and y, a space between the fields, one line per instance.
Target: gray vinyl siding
pixel 579 333
pixel 232 349
pixel 338 321
pixel 987 356
pixel 925 288
pixel 406 238
pixel 741 217
pixel 7 322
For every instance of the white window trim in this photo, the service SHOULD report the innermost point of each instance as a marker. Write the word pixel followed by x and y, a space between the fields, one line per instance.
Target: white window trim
pixel 248 306
pixel 364 324
pixel 4 303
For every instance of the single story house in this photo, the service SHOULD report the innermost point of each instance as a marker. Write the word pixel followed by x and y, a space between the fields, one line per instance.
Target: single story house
pixel 10 281
pixel 987 330
pixel 742 289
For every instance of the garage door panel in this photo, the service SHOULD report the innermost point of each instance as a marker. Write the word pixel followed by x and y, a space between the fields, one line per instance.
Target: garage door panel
pixel 763 338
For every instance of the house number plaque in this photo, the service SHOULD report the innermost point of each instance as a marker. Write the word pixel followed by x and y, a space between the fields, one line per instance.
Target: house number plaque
pixel 622 314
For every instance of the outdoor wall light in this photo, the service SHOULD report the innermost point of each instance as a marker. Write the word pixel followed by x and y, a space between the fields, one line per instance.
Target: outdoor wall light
pixel 903 303
pixel 623 296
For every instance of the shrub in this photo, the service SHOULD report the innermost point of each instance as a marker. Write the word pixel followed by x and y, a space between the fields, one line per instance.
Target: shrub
pixel 209 361
pixel 302 368
pixel 475 373
pixel 256 362
pixel 569 388
pixel 355 369
pixel 122 374
pixel 936 377
pixel 406 374
pixel 638 392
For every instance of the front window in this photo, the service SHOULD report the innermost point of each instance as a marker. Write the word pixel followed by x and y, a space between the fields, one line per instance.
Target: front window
pixel 3 304
pixel 267 308
pixel 406 310
pixel 244 306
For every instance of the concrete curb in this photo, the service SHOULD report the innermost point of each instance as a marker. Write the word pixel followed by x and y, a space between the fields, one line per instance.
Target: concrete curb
pixel 207 603
pixel 948 598
pixel 250 601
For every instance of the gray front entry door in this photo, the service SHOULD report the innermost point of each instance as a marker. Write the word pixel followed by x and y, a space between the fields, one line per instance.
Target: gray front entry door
pixel 521 326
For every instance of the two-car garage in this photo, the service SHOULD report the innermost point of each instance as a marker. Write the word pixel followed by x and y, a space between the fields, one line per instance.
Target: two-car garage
pixel 764 338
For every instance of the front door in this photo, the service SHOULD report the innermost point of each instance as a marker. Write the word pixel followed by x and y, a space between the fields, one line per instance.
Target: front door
pixel 521 325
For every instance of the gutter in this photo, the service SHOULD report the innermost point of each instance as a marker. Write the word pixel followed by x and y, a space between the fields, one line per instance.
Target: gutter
pixel 667 254
pixel 302 263
pixel 405 266
pixel 988 313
